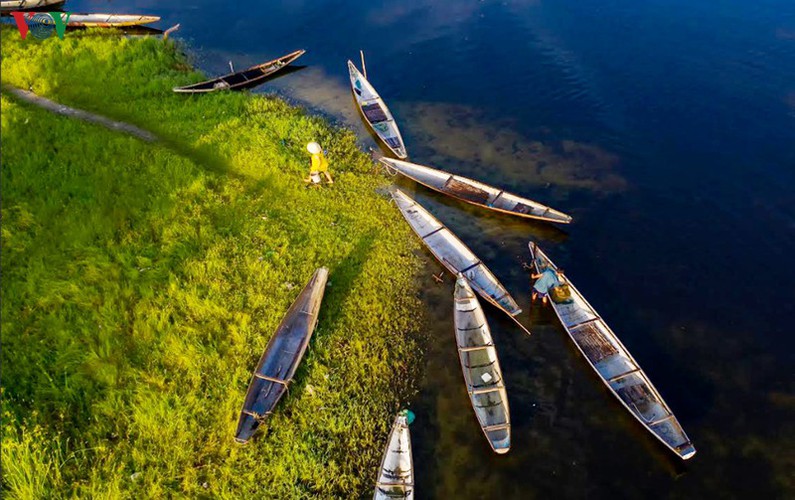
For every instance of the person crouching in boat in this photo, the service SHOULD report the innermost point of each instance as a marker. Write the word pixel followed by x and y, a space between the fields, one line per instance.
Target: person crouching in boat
pixel 545 281
pixel 318 166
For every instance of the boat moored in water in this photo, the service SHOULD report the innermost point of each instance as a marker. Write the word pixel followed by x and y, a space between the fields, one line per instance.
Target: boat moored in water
pixel 396 474
pixel 481 367
pixel 476 193
pixel 247 78
pixel 615 366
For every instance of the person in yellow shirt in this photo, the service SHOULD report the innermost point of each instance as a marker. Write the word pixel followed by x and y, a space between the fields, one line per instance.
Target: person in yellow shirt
pixel 319 164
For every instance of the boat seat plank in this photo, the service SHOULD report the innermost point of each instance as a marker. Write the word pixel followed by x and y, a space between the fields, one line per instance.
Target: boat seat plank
pixel 475 348
pixel 271 379
pixel 622 375
pixel 433 232
pixel 469 268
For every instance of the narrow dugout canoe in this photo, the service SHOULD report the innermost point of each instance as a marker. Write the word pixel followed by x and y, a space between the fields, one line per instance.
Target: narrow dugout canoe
pixel 396 475
pixel 475 192
pixel 108 20
pixel 375 112
pixel 481 368
pixel 14 5
pixel 247 78
pixel 616 367
pixel 282 356
pixel 453 254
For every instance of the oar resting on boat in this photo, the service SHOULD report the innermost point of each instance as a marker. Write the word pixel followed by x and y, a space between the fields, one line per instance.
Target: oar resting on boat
pixel 396 474
pixel 245 79
pixel 282 356
pixel 481 367
pixel 611 361
pixel 475 192
pixel 14 5
pixel 454 255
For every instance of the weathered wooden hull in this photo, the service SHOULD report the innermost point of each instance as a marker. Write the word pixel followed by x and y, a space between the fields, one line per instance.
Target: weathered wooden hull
pixel 616 367
pixel 453 254
pixel 282 356
pixel 476 193
pixel 481 368
pixel 245 79
pixel 14 5
pixel 376 113
pixel 396 474
pixel 108 20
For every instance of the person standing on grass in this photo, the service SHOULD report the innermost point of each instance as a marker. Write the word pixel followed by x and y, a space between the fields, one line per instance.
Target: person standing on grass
pixel 546 280
pixel 319 164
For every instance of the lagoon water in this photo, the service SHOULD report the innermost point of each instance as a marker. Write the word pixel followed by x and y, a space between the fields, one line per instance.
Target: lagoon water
pixel 666 129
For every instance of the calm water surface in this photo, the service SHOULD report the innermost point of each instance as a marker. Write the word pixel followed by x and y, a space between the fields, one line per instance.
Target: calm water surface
pixel 667 129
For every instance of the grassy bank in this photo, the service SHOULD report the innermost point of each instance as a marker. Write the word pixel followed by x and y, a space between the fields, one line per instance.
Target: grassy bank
pixel 141 283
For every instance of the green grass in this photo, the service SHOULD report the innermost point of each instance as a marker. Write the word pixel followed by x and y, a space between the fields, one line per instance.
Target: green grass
pixel 142 282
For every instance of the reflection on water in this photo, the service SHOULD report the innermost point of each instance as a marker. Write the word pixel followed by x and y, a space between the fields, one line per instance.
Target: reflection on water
pixel 666 129
pixel 458 134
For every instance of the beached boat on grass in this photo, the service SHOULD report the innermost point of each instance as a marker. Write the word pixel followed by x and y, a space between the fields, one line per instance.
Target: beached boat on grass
pixel 615 366
pixel 481 368
pixel 245 79
pixel 282 356
pixel 108 20
pixel 14 5
pixel 375 112
pixel 453 254
pixel 475 192
pixel 396 474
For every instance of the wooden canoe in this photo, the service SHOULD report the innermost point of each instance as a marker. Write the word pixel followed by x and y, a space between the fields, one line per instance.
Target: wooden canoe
pixel 108 20
pixel 375 112
pixel 396 475
pixel 453 254
pixel 616 367
pixel 247 78
pixel 475 192
pixel 481 368
pixel 282 356
pixel 14 5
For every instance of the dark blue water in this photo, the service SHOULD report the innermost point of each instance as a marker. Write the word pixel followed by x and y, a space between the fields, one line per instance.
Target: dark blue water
pixel 667 129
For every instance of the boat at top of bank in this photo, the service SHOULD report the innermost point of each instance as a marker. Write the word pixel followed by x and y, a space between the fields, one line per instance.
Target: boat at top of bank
pixel 283 354
pixel 396 473
pixel 614 365
pixel 108 20
pixel 375 111
pixel 245 79
pixel 453 254
pixel 14 5
pixel 476 193
pixel 481 367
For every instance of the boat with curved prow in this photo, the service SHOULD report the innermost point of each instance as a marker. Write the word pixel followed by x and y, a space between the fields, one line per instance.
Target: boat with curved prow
pixel 476 193
pixel 14 5
pixel 396 474
pixel 454 254
pixel 481 368
pixel 108 20
pixel 375 112
pixel 615 366
pixel 282 356
pixel 245 79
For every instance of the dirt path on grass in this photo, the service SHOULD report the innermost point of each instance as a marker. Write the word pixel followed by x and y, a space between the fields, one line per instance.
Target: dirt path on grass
pixel 79 114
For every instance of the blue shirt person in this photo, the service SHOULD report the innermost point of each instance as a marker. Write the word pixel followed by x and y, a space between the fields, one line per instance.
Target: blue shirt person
pixel 545 280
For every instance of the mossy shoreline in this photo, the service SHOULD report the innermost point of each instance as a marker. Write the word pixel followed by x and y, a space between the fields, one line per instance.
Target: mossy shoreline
pixel 141 283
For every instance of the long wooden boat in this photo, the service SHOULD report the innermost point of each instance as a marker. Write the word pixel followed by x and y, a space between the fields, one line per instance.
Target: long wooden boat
pixel 247 78
pixel 14 5
pixel 282 356
pixel 108 20
pixel 453 254
pixel 475 192
pixel 396 475
pixel 615 366
pixel 375 112
pixel 481 368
